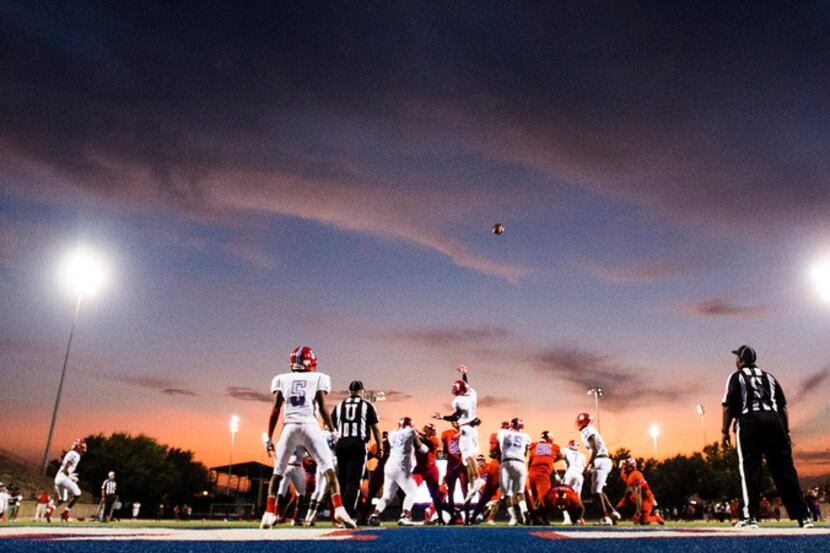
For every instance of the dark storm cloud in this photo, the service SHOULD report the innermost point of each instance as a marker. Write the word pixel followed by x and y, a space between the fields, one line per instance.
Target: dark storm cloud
pixel 248 394
pixel 404 119
pixel 444 337
pixel 811 384
pixel 622 385
pixel 722 307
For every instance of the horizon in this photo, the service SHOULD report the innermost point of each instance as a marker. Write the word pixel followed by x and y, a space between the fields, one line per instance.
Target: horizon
pixel 263 177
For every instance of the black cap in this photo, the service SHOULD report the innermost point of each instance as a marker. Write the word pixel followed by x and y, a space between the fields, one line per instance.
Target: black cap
pixel 355 386
pixel 747 355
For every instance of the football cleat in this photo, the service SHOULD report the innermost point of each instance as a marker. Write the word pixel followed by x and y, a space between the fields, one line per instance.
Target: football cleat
pixel 616 515
pixel 513 521
pixel 302 359
pixel 268 520
pixel 65 515
pixel 806 523
pixel 583 420
pixel 747 523
pixel 605 521
pixel 374 520
pixel 340 515
pixel 406 521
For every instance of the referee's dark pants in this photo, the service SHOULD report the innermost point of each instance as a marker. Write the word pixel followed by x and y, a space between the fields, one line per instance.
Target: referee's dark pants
pixel 351 458
pixel 109 503
pixel 760 434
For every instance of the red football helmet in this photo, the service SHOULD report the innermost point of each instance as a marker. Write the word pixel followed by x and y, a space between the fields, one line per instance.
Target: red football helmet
pixel 545 436
pixel 583 420
pixel 405 422
pixel 505 425
pixel 573 445
pixel 303 360
pixel 459 388
pixel 494 442
pixel 629 464
pixel 517 424
pixel 481 460
pixel 79 445
pixel 429 429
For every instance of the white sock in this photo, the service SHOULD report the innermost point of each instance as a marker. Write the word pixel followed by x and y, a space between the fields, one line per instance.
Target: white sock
pixel 512 511
pixel 523 507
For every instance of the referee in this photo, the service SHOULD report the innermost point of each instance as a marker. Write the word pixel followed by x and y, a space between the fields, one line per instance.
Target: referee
pixel 108 496
pixel 354 418
pixel 755 400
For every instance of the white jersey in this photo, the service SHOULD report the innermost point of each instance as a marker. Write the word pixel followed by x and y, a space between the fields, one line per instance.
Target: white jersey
pixel 297 457
pixel 574 459
pixel 513 444
pixel 589 431
pixel 401 447
pixel 467 405
pixel 299 389
pixel 70 462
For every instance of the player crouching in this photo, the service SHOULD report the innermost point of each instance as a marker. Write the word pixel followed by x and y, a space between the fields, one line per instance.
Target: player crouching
pixel 638 494
pixel 398 471
pixel 301 390
pixel 564 499
pixel 514 445
pixel 66 480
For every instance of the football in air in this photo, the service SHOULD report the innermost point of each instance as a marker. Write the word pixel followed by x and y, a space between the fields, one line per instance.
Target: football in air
pixel 498 229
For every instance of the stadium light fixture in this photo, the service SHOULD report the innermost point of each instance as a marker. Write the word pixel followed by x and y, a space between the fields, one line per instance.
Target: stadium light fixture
pixel 596 391
pixel 83 272
pixel 821 278
pixel 654 432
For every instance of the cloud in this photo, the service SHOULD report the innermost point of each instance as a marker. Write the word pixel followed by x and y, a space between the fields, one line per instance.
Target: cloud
pixel 162 385
pixel 494 401
pixel 811 384
pixel 820 457
pixel 722 307
pixel 459 336
pixel 178 392
pixel 633 273
pixel 248 394
pixel 622 385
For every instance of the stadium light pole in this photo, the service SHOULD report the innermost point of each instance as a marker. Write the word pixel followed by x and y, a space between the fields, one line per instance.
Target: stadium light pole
pixel 234 427
pixel 654 431
pixel 596 391
pixel 702 412
pixel 83 272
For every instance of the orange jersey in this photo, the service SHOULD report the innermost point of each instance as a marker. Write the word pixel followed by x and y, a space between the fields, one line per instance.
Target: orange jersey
pixel 634 480
pixel 543 455
pixel 450 445
pixel 490 472
pixel 425 460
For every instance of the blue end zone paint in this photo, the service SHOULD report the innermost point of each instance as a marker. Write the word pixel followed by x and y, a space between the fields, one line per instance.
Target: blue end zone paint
pixel 444 540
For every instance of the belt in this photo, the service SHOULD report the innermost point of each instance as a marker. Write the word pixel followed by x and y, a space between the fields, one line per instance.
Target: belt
pixel 294 465
pixel 511 459
pixel 601 457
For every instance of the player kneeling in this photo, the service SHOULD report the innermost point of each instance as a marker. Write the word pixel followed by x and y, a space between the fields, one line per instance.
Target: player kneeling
pixel 564 499
pixel 398 471
pixel 638 494
pixel 301 390
pixel 514 445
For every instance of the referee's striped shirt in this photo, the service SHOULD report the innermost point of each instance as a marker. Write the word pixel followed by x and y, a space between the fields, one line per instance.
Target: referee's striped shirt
pixel 751 390
pixel 108 487
pixel 353 418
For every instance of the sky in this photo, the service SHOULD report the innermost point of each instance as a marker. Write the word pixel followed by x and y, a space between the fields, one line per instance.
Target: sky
pixel 266 175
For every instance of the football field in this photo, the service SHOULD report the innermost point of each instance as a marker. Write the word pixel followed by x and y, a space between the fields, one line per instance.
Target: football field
pixel 181 539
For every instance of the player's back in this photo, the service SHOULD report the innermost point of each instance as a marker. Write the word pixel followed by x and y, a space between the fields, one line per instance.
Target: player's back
pixel 589 431
pixel 299 389
pixel 513 444
pixel 543 455
pixel 401 444
pixel 574 459
pixel 467 405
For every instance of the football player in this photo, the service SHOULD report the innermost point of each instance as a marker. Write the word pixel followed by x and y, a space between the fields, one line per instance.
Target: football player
pixel 576 467
pixel 543 454
pixel 464 404
pixel 514 444
pixel 638 494
pixel 295 475
pixel 66 481
pixel 375 484
pixel 426 468
pixel 320 488
pixel 398 471
pixel 564 499
pixel 599 465
pixel 488 486
pixel 456 471
pixel 301 390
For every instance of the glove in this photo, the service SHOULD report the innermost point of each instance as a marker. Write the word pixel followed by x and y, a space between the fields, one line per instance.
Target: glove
pixel 437 415
pixel 269 447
